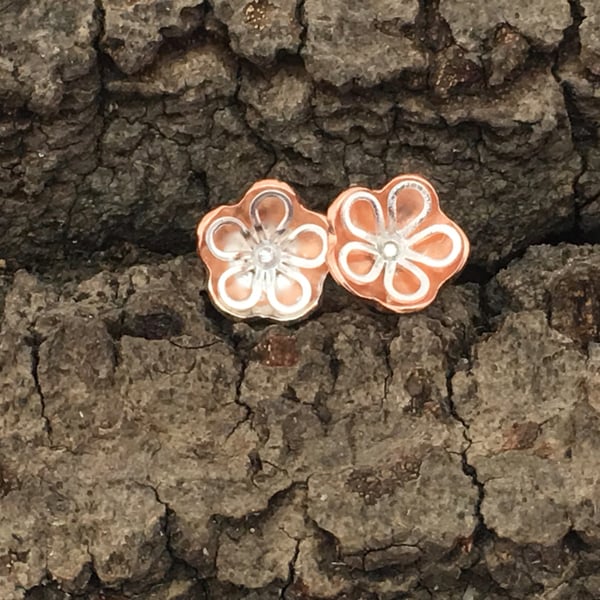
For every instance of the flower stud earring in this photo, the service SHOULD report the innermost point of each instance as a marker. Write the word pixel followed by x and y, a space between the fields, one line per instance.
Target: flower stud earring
pixel 265 255
pixel 394 246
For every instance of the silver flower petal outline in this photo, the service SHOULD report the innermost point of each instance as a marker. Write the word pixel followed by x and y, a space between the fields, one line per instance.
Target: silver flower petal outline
pixel 255 288
pixel 373 273
pixel 355 230
pixel 407 257
pixel 287 215
pixel 428 261
pixel 301 261
pixel 392 205
pixel 224 254
pixel 264 280
pixel 271 290
pixel 388 281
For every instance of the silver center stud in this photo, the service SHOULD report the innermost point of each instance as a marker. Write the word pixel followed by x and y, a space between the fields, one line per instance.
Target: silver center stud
pixel 266 255
pixel 390 250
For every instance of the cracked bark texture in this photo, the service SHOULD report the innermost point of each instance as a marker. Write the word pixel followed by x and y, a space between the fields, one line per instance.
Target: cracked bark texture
pixel 152 450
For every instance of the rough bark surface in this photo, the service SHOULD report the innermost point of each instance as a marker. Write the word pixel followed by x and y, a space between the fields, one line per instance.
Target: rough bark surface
pixel 152 450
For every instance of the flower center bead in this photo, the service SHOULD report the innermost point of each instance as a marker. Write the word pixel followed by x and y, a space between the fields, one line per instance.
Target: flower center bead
pixel 390 250
pixel 266 255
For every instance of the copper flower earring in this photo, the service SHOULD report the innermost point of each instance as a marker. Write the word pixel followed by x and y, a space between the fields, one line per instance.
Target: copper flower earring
pixel 266 256
pixel 394 246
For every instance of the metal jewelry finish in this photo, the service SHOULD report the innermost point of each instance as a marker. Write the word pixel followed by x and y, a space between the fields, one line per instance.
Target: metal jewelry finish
pixel 266 255
pixel 394 245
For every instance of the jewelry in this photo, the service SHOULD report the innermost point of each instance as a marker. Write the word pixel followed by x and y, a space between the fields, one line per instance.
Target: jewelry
pixel 265 255
pixel 394 245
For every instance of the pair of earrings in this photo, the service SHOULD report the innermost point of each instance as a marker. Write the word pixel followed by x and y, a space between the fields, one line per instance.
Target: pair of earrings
pixel 268 256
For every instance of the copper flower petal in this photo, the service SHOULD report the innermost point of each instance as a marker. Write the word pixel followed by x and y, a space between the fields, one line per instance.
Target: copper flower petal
pixel 266 255
pixel 394 245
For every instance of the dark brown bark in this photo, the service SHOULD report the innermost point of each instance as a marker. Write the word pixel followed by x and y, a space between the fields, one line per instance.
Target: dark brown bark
pixel 152 449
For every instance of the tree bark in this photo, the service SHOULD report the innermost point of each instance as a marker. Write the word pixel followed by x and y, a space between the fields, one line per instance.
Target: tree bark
pixel 152 449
